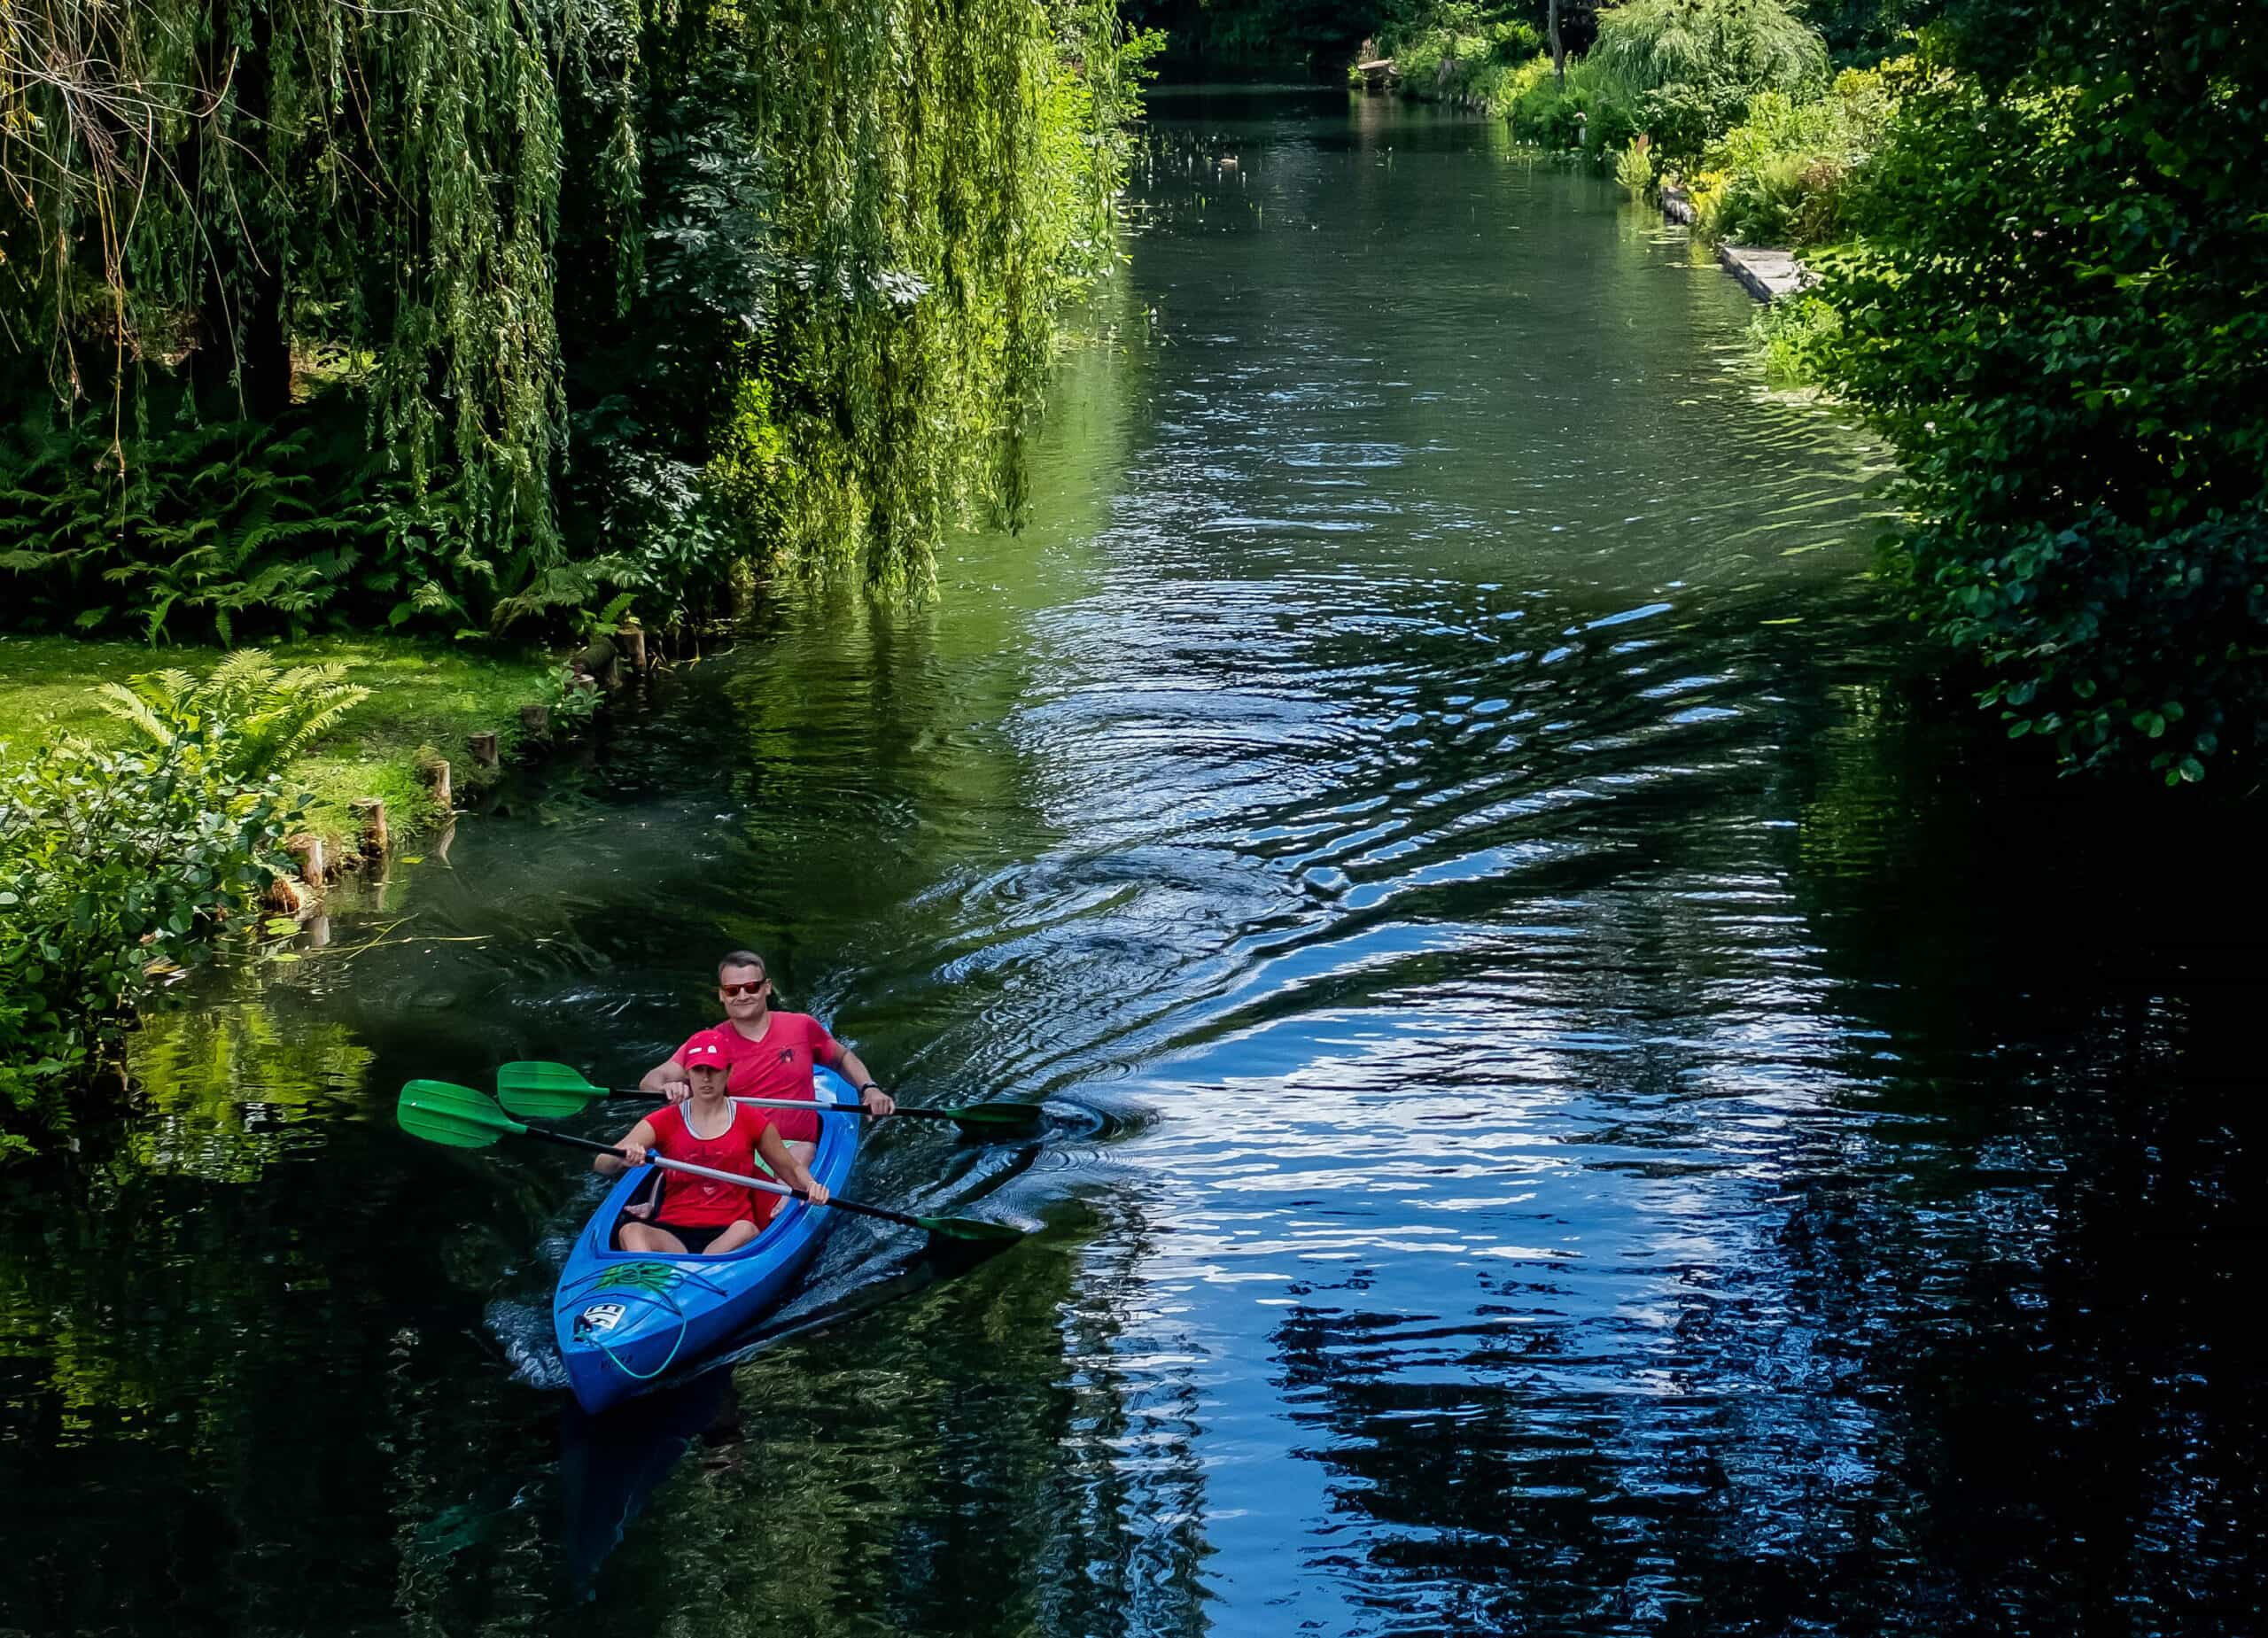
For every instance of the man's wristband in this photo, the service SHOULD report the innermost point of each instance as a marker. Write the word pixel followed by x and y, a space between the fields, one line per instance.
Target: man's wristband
pixel 869 1087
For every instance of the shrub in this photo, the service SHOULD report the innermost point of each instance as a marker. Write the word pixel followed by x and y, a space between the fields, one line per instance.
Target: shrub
pixel 1588 111
pixel 228 529
pixel 117 867
pixel 1792 334
pixel 1702 61
pixel 1677 118
pixel 2044 306
pixel 1783 175
pixel 249 718
pixel 1464 59
pixel 1731 49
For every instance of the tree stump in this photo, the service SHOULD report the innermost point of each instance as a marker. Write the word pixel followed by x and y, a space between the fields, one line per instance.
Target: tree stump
pixel 370 814
pixel 284 896
pixel 484 749
pixel 601 661
pixel 436 777
pixel 306 846
pixel 536 719
pixel 633 640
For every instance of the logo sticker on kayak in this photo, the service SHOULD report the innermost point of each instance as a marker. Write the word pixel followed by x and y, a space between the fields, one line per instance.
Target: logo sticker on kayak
pixel 654 1276
pixel 599 1316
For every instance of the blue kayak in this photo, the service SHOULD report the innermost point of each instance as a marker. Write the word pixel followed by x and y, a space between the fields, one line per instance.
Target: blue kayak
pixel 623 1319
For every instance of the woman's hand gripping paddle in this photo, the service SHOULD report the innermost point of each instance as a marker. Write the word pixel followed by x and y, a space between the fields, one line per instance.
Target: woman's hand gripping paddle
pixel 465 1119
pixel 548 1091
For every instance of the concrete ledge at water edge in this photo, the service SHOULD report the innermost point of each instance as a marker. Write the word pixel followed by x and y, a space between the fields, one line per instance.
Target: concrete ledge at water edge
pixel 1767 275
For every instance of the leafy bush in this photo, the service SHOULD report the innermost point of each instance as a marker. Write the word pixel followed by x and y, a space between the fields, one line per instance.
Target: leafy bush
pixel 1791 333
pixel 2049 305
pixel 119 867
pixel 1588 111
pixel 1781 176
pixel 1677 117
pixel 1459 56
pixel 1719 53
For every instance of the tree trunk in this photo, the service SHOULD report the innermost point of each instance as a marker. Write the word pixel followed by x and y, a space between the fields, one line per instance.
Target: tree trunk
pixel 1558 51
pixel 241 332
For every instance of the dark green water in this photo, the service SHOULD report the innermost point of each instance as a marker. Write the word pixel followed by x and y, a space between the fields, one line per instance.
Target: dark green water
pixel 1581 1108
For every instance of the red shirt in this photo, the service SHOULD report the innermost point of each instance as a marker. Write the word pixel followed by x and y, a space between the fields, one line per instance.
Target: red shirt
pixel 701 1202
pixel 778 1066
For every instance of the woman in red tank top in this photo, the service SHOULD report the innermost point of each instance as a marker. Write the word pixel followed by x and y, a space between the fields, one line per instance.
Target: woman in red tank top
pixel 698 1216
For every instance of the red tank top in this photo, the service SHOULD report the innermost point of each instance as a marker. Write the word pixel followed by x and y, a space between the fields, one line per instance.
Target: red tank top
pixel 703 1202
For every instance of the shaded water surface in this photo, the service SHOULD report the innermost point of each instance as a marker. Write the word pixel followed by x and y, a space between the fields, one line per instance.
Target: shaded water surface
pixel 1577 1108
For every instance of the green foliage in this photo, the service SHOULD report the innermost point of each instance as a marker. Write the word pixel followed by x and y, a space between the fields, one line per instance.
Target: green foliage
pixel 1457 52
pixel 1862 33
pixel 1792 334
pixel 229 530
pixel 118 866
pixel 250 717
pixel 573 701
pixel 203 187
pixel 1678 117
pixel 1588 110
pixel 863 217
pixel 1634 169
pixel 2051 306
pixel 1781 176
pixel 1693 64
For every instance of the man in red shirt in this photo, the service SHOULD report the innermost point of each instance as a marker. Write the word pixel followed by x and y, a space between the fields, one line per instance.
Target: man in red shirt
pixel 700 1216
pixel 770 1054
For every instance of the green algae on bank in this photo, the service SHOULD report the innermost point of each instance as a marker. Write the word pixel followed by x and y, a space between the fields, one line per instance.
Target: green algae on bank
pixel 422 695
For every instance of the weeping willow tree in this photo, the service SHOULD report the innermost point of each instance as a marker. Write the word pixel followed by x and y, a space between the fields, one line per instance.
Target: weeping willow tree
pixel 918 302
pixel 214 186
pixel 628 290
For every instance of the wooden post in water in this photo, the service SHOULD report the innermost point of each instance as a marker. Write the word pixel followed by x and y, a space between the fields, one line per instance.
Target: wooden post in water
pixel 370 813
pixel 306 846
pixel 536 719
pixel 437 775
pixel 633 639
pixel 484 749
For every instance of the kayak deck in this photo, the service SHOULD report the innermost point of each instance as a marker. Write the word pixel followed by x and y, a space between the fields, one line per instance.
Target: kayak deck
pixel 625 1319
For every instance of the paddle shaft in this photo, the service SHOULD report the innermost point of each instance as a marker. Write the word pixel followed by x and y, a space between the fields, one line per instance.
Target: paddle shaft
pixel 807 1103
pixel 690 1169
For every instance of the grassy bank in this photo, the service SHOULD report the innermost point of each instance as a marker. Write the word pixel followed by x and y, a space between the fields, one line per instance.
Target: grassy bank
pixel 421 694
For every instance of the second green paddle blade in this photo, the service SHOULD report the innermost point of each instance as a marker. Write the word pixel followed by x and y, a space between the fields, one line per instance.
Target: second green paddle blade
pixel 544 1091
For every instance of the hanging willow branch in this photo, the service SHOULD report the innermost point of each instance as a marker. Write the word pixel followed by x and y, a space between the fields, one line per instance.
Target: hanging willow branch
pixel 227 183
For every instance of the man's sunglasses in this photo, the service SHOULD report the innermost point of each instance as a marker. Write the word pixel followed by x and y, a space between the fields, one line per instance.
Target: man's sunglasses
pixel 756 989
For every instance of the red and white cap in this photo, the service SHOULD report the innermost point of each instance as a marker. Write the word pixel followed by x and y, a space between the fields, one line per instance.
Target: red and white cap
pixel 705 1049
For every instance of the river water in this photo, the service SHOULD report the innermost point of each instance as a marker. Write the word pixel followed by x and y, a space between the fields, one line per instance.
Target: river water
pixel 1580 1104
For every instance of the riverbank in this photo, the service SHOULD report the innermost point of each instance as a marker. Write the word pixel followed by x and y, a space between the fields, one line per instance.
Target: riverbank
pixel 1767 274
pixel 425 699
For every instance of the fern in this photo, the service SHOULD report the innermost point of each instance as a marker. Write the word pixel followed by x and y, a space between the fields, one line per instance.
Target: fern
pixel 251 718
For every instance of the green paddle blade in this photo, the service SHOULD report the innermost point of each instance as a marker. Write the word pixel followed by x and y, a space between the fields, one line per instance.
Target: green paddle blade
pixel 442 1112
pixel 996 1117
pixel 974 1228
pixel 541 1090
